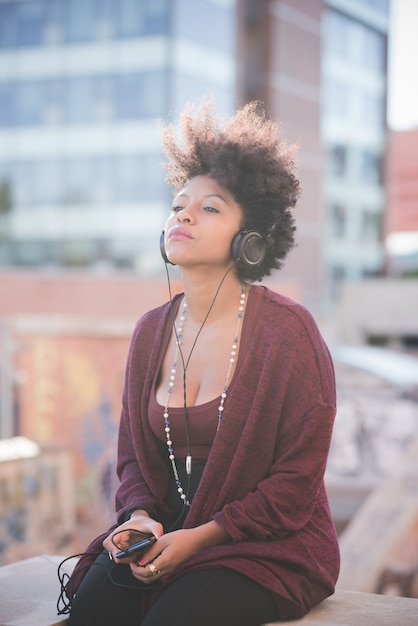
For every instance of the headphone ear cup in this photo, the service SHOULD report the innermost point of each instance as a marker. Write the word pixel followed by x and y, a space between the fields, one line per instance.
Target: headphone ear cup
pixel 248 248
pixel 162 249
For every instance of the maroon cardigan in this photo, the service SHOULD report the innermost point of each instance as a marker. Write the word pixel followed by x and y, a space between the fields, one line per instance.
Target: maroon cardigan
pixel 263 480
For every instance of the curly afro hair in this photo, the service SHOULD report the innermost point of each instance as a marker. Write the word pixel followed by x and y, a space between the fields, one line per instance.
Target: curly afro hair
pixel 246 155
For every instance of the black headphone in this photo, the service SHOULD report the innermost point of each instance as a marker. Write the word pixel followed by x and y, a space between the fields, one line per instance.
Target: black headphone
pixel 248 248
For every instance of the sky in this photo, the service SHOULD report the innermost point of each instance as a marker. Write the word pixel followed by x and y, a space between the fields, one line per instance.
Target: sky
pixel 403 65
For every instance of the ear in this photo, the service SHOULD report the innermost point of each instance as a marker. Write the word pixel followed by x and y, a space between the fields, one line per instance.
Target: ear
pixel 248 248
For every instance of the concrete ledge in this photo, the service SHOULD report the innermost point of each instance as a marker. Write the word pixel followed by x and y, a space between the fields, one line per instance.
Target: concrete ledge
pixel 29 591
pixel 354 608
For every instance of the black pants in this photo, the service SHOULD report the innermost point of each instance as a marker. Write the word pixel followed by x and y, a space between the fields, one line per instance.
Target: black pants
pixel 210 597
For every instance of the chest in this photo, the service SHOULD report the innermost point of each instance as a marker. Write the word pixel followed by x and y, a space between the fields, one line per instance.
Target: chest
pixel 200 368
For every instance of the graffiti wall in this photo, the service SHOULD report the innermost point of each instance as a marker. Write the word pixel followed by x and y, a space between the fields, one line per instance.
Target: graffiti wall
pixel 69 395
pixel 37 512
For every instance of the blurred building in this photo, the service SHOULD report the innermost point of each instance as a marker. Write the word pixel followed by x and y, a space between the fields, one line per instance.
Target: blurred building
pixel 321 67
pixel 82 81
pixel 402 211
pixel 384 311
pixel 81 84
pixel 354 69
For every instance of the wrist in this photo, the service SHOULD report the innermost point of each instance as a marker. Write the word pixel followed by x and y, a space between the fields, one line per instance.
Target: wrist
pixel 137 513
pixel 211 534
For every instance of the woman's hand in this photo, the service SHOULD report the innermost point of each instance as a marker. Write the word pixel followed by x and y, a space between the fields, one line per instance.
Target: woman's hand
pixel 174 548
pixel 139 520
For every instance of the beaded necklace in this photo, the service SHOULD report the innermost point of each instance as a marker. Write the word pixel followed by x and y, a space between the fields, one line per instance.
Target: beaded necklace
pixel 177 353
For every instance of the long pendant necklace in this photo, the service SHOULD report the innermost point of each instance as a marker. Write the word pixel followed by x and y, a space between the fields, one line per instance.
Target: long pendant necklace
pixel 177 353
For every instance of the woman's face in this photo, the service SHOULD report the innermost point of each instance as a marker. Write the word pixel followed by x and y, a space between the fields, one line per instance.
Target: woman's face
pixel 202 223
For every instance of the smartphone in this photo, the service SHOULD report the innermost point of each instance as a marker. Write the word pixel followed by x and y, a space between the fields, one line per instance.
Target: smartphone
pixel 141 544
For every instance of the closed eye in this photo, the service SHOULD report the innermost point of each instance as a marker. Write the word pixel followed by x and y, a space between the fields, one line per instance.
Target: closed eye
pixel 208 209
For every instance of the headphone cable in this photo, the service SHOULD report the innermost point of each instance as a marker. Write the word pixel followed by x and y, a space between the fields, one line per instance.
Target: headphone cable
pixel 185 364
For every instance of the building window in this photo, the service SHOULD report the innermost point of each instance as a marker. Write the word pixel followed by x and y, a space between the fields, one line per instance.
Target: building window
pixel 55 22
pixel 8 24
pixel 338 220
pixel 347 39
pixel 371 169
pixel 8 95
pixel 79 103
pixel 30 25
pixel 83 99
pixel 336 39
pixel 337 276
pixel 371 226
pixel 381 5
pixel 135 18
pixel 337 99
pixel 367 47
pixel 86 180
pixel 373 48
pixel 372 110
pixel 5 172
pixel 192 19
pixel 49 22
pixel 140 95
pixel 139 178
pixel 54 101
pixel 337 159
pixel 48 181
pixel 77 182
pixel 23 182
pixel 80 20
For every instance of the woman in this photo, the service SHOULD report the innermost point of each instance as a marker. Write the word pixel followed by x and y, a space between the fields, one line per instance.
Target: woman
pixel 228 407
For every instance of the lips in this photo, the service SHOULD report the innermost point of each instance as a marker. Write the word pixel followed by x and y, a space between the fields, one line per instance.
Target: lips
pixel 179 233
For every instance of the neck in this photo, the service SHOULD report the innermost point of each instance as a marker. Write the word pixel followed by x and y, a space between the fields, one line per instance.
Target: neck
pixel 221 291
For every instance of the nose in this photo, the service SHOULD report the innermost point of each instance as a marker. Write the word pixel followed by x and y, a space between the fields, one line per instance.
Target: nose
pixel 184 215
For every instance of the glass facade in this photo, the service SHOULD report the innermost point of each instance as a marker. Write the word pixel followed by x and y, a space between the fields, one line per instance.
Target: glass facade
pixel 45 22
pixel 82 83
pixel 191 20
pixel 354 130
pixel 83 99
pixel 357 44
pixel 60 182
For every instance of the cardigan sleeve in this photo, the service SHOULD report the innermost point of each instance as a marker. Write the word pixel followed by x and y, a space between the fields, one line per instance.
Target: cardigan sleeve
pixel 138 467
pixel 133 491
